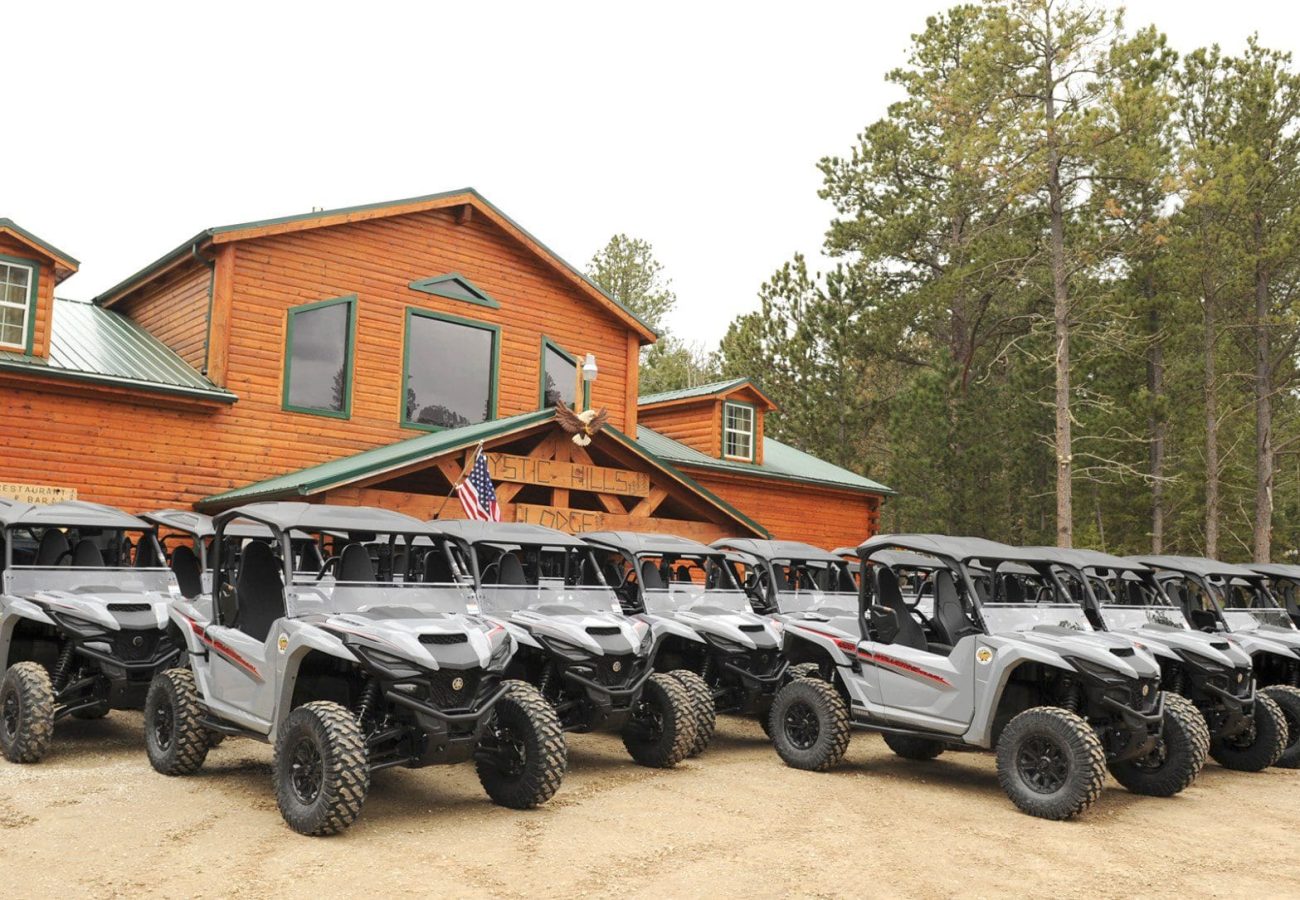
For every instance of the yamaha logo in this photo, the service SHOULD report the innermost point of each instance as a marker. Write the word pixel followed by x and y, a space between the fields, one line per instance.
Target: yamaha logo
pixel 457 683
pixel 1239 677
pixel 617 666
pixel 1146 689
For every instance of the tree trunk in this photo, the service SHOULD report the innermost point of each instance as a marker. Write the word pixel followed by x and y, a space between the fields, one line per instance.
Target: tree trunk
pixel 1263 531
pixel 1211 433
pixel 1159 428
pixel 1060 309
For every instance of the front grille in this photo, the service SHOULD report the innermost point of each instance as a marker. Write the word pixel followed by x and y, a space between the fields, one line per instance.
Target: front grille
pixel 1241 682
pixel 443 692
pixel 752 629
pixel 761 662
pixel 606 675
pixel 605 630
pixel 442 639
pixel 137 646
pixel 129 607
pixel 1146 702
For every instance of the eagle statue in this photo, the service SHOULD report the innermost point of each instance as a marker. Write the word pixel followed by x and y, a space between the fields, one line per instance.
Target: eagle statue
pixel 583 426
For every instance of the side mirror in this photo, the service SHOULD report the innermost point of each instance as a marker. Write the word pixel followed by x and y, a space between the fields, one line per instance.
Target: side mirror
pixel 883 623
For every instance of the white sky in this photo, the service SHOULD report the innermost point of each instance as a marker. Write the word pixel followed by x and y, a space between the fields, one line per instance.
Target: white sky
pixel 695 126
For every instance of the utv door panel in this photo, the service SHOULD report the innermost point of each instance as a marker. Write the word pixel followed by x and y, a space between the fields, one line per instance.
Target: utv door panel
pixel 241 675
pixel 924 689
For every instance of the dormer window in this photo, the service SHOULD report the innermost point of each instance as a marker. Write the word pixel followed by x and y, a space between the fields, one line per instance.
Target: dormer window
pixel 17 303
pixel 738 431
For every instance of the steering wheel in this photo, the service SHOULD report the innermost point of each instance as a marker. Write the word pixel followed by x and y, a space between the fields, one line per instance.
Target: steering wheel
pixel 331 563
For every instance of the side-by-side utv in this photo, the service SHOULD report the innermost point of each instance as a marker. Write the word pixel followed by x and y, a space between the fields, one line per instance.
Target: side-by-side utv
pixel 349 670
pixel 1283 582
pixel 1247 730
pixel 735 664
pixel 593 664
pixel 83 618
pixel 1057 700
pixel 1234 602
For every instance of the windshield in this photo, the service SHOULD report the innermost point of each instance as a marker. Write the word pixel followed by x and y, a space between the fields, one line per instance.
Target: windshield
pixel 673 582
pixel 823 585
pixel 392 600
pixel 557 597
pixel 1128 602
pixel 1006 617
pixel 25 581
pixel 1023 600
pixel 1253 619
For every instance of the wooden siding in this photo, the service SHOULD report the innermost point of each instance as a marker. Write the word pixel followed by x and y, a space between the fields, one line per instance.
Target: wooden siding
pixel 174 309
pixel 141 452
pixel 697 425
pixel 44 294
pixel 798 512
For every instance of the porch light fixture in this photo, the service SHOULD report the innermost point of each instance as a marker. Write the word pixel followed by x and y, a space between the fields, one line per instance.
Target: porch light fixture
pixel 589 370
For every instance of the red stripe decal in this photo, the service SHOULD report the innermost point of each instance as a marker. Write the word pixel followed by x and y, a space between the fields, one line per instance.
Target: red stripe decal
pixel 878 659
pixel 226 651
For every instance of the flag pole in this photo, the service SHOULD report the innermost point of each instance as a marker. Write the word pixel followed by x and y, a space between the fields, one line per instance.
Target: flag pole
pixel 469 466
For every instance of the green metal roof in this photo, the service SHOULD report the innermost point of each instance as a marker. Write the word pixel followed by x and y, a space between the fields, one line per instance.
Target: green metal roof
pixel 90 343
pixel 779 461
pixel 703 390
pixel 187 246
pixel 368 463
pixel 44 245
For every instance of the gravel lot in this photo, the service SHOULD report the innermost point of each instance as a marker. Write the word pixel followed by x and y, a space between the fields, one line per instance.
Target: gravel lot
pixel 93 818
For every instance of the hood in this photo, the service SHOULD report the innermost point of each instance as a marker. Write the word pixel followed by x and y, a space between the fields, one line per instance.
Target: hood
pixel 1280 642
pixel 596 633
pixel 744 629
pixel 431 641
pixel 1105 648
pixel 109 609
pixel 1164 640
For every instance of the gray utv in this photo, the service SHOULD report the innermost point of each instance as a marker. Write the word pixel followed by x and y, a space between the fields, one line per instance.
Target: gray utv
pixel 734 664
pixel 186 539
pixel 1030 678
pixel 1233 602
pixel 351 669
pixel 83 618
pixel 1283 582
pixel 1247 730
pixel 594 665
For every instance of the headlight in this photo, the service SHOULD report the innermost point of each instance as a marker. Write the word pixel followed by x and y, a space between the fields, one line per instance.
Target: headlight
pixel 647 642
pixel 1099 672
pixel 501 655
pixel 724 644
pixel 1201 662
pixel 563 648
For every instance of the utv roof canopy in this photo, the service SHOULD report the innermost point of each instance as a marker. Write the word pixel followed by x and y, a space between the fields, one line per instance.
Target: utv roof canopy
pixel 1094 559
pixel 635 542
pixel 1277 570
pixel 69 514
pixel 475 532
pixel 202 526
pixel 322 517
pixel 768 550
pixel 1196 565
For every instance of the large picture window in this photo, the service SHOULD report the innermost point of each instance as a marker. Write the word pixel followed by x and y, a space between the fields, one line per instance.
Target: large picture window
pixel 318 357
pixel 17 293
pixel 559 376
pixel 738 431
pixel 450 372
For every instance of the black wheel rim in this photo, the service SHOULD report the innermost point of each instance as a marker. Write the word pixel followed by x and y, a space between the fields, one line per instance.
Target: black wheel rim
pixel 650 718
pixel 1155 759
pixel 306 772
pixel 12 712
pixel 1042 764
pixel 163 726
pixel 801 725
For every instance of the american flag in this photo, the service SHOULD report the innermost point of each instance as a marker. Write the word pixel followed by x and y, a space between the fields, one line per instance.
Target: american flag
pixel 477 495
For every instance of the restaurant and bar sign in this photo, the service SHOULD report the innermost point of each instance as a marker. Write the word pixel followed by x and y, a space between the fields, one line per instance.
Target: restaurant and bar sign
pixel 554 473
pixel 36 493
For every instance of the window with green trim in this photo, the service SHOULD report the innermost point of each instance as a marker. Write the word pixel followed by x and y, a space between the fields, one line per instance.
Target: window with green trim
pixel 559 377
pixel 17 295
pixel 450 371
pixel 738 431
pixel 318 357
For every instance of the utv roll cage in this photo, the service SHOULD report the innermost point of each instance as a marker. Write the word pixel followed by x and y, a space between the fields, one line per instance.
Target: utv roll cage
pixel 643 575
pixel 45 527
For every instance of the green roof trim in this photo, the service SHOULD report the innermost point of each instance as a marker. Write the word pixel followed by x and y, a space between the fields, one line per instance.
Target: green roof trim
pixel 780 461
pixel 455 287
pixel 185 248
pixel 96 345
pixel 699 391
pixel 369 463
pixel 44 245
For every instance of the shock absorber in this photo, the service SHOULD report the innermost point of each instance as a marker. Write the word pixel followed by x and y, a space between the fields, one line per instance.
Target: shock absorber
pixel 706 670
pixel 62 667
pixel 546 680
pixel 369 699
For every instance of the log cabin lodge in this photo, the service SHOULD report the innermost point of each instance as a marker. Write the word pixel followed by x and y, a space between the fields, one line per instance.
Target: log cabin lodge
pixel 361 356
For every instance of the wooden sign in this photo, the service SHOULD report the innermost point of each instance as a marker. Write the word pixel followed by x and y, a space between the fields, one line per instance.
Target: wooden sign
pixel 571 476
pixel 576 521
pixel 36 493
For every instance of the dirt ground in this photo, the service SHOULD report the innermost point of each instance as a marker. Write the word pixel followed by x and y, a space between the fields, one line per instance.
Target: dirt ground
pixel 94 819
